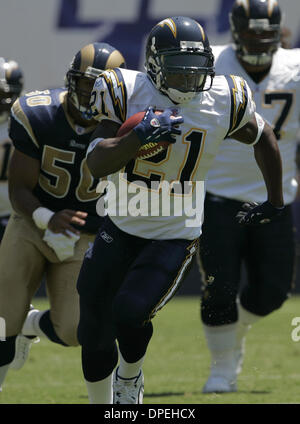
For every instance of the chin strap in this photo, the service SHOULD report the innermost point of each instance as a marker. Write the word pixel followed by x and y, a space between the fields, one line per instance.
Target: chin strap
pixel 257 60
pixel 179 97
pixel 87 114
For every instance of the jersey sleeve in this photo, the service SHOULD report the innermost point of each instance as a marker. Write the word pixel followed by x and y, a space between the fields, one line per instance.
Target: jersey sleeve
pixel 242 104
pixel 109 97
pixel 21 132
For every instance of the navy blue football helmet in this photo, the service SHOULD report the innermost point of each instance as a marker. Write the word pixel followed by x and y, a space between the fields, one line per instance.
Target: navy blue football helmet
pixel 179 58
pixel 87 64
pixel 11 84
pixel 255 28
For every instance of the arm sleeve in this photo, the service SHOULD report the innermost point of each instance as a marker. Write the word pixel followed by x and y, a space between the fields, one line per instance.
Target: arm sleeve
pixel 109 97
pixel 242 103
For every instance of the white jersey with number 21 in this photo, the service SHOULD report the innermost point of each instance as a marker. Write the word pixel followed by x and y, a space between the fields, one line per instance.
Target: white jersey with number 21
pixel 208 119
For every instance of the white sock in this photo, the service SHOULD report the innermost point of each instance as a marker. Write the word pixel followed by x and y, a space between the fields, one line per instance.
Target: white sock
pixel 3 371
pixel 129 370
pixel 100 392
pixel 221 341
pixel 31 325
pixel 245 321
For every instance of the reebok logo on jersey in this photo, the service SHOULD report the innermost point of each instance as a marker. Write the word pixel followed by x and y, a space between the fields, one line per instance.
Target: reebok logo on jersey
pixel 73 143
pixel 106 237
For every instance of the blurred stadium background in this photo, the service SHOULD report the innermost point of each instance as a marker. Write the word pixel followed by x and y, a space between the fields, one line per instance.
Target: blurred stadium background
pixel 43 36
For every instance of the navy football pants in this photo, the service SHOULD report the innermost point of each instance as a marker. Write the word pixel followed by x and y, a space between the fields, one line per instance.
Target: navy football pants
pixel 123 282
pixel 268 252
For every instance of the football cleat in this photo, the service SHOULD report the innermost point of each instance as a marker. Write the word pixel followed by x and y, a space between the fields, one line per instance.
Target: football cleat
pixel 217 384
pixel 128 390
pixel 23 345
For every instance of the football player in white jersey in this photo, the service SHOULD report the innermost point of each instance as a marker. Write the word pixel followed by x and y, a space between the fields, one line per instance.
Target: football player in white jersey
pixel 268 251
pixel 140 255
pixel 11 85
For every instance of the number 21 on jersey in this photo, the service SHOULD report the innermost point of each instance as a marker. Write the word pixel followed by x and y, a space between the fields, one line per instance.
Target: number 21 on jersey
pixel 157 168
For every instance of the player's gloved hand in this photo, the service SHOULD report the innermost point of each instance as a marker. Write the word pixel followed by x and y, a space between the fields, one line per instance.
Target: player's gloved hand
pixel 255 214
pixel 156 128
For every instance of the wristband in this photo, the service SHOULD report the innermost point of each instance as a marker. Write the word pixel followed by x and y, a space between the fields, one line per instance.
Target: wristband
pixel 41 217
pixel 92 145
pixel 260 126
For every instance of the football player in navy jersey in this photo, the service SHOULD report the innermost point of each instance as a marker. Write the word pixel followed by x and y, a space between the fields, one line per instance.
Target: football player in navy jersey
pixel 54 197
pixel 267 251
pixel 141 256
pixel 11 85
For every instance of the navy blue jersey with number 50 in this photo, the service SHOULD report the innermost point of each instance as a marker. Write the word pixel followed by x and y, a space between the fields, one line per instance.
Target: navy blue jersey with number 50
pixel 42 129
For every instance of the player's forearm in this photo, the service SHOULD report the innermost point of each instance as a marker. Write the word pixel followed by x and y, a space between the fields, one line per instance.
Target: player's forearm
pixel 268 158
pixel 112 154
pixel 23 201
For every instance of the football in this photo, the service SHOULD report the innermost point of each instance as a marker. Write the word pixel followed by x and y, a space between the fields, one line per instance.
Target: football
pixel 147 150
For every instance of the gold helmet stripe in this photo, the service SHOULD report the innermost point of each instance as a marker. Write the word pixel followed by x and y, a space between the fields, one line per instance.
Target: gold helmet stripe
pixel 271 5
pixel 245 4
pixel 202 31
pixel 12 65
pixel 171 24
pixel 115 60
pixel 87 57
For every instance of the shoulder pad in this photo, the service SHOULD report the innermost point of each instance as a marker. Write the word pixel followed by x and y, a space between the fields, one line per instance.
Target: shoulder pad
pixel 109 97
pixel 240 96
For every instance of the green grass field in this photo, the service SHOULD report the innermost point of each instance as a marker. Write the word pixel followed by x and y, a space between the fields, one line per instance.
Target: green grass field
pixel 176 366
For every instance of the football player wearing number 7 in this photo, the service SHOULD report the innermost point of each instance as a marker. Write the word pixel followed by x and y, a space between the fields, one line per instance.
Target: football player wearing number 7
pixel 138 260
pixel 54 197
pixel 268 250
